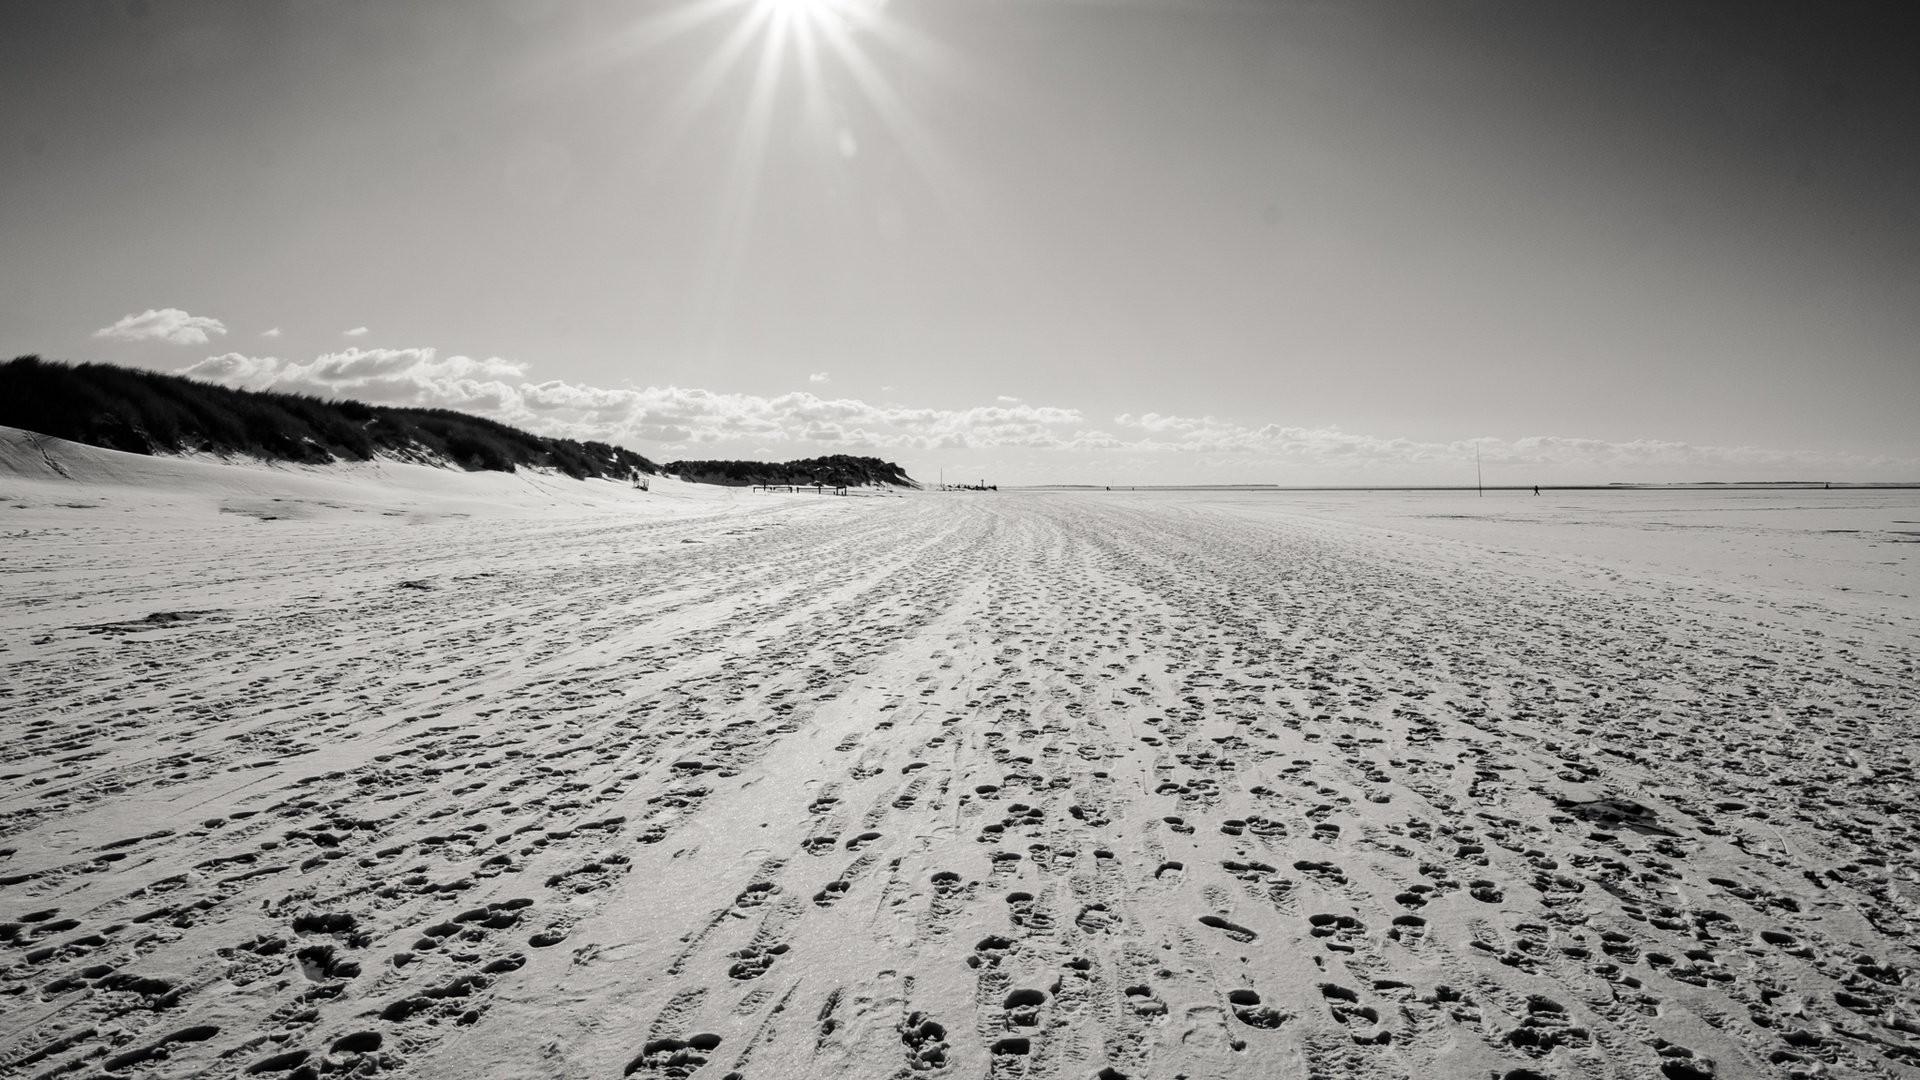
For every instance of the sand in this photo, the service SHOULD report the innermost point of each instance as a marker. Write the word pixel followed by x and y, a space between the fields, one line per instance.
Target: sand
pixel 381 772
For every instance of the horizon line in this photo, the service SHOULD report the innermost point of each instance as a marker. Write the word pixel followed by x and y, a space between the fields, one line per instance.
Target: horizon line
pixel 1689 485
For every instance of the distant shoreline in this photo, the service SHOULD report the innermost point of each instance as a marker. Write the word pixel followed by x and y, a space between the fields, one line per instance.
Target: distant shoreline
pixel 1705 485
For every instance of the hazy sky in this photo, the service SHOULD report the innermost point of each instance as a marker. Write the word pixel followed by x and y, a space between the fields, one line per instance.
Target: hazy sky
pixel 1038 240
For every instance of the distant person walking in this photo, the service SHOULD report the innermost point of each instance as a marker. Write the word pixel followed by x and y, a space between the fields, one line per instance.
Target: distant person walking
pixel 1536 489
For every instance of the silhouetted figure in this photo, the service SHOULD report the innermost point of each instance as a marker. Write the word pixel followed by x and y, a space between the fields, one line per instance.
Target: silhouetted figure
pixel 1536 489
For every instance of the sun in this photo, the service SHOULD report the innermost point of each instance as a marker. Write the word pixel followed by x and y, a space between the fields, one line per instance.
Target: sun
pixel 851 12
pixel 799 9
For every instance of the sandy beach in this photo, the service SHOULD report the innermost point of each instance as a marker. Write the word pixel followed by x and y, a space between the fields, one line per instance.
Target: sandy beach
pixel 380 774
pixel 959 540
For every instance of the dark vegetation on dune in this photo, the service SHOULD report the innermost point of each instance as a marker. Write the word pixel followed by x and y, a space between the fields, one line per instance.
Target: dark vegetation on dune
pixel 838 470
pixel 146 412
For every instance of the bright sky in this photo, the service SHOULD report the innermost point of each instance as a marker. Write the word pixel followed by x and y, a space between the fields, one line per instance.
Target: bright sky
pixel 1159 241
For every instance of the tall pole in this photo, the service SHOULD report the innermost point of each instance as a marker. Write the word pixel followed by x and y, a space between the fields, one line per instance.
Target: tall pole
pixel 1479 488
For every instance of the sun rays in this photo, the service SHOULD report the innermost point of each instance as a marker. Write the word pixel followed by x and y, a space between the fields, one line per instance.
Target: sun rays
pixel 820 68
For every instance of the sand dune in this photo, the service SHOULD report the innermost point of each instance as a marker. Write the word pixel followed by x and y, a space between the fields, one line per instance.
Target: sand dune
pixel 452 780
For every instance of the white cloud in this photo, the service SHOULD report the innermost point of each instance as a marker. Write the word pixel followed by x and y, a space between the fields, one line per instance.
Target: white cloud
pixel 275 332
pixel 672 415
pixel 414 377
pixel 690 422
pixel 358 331
pixel 818 376
pixel 1005 400
pixel 165 324
pixel 1331 450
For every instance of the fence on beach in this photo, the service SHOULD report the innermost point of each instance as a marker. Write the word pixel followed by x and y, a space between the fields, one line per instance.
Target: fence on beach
pixel 818 489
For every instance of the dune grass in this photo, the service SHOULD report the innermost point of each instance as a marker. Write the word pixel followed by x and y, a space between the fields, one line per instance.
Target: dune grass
pixel 147 412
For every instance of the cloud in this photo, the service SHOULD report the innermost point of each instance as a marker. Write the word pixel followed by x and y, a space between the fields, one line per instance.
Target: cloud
pixel 818 376
pixel 358 331
pixel 165 324
pixel 275 332
pixel 690 422
pixel 1005 400
pixel 685 416
pixel 1329 449
pixel 416 377
pixel 677 416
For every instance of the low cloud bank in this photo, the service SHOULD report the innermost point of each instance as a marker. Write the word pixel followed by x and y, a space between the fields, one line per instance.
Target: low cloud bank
pixel 676 417
pixel 674 420
pixel 163 324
